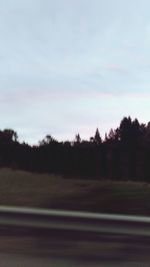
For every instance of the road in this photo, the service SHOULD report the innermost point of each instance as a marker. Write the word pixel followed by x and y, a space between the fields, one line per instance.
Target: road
pixel 30 247
pixel 8 260
pixel 51 238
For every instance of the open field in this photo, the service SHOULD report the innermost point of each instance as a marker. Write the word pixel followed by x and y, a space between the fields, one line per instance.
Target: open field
pixel 49 191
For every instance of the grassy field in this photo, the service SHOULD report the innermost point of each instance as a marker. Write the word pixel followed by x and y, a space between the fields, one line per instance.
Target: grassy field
pixel 48 191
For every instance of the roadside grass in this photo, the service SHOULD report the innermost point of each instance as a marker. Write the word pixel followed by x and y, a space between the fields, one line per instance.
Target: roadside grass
pixel 20 188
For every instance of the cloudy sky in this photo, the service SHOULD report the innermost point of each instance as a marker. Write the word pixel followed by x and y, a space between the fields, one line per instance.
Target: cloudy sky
pixel 69 66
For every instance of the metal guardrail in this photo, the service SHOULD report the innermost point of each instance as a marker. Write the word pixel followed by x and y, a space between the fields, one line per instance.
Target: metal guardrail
pixel 75 221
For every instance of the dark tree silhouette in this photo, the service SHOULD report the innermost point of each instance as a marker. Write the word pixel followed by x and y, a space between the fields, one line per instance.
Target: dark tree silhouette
pixel 123 155
pixel 97 137
pixel 77 139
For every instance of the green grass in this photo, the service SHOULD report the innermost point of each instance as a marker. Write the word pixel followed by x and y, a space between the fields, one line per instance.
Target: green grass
pixel 49 191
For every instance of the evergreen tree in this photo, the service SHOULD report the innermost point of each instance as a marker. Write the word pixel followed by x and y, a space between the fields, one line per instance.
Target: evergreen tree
pixel 97 137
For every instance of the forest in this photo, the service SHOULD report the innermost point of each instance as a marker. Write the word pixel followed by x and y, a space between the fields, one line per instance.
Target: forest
pixel 123 155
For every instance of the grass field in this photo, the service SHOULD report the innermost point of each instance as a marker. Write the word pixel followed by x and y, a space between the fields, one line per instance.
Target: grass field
pixel 48 191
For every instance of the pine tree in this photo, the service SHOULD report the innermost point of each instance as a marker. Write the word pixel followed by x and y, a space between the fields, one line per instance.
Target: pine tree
pixel 97 137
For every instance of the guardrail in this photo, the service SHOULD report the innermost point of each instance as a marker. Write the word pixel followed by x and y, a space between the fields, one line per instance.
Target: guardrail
pixel 75 221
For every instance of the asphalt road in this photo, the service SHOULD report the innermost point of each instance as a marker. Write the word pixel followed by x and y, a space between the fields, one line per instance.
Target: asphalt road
pixel 41 248
pixel 32 237
pixel 8 260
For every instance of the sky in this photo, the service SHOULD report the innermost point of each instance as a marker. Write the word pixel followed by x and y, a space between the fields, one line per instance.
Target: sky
pixel 69 66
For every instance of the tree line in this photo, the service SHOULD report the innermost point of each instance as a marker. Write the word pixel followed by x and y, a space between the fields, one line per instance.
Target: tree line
pixel 124 154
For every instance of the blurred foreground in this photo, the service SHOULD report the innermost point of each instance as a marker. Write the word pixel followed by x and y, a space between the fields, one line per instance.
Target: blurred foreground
pixel 30 247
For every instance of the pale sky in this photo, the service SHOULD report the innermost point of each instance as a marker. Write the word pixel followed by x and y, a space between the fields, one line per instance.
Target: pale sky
pixel 69 66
